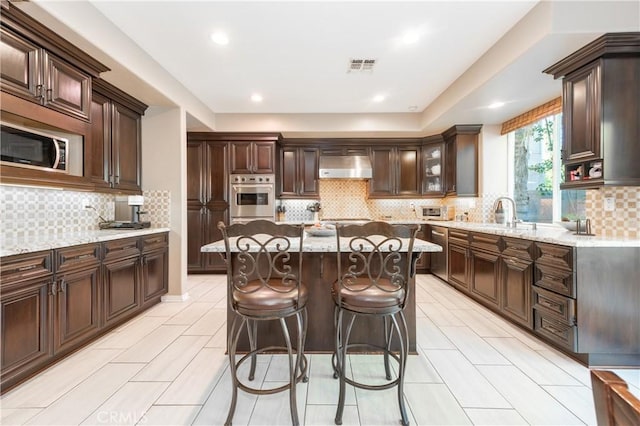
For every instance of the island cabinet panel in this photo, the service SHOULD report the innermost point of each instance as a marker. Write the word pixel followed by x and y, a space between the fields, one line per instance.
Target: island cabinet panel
pixel 25 341
pixel 319 272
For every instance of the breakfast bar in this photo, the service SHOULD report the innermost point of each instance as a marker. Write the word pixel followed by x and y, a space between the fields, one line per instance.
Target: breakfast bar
pixel 319 264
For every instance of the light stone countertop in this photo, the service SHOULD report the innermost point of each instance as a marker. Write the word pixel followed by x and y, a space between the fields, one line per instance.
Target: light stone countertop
pixel 546 233
pixel 65 239
pixel 322 245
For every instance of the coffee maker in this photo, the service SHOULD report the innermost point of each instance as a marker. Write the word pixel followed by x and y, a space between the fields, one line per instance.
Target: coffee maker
pixel 128 211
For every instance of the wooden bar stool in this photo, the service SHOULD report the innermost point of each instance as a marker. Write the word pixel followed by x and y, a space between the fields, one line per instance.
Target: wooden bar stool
pixel 373 281
pixel 263 284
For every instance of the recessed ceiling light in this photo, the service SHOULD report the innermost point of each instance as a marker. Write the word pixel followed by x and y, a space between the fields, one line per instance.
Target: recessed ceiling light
pixel 413 108
pixel 220 38
pixel 410 37
pixel 496 105
pixel 256 97
pixel 378 98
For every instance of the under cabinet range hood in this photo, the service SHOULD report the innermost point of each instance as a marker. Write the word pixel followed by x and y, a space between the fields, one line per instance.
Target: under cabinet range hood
pixel 345 167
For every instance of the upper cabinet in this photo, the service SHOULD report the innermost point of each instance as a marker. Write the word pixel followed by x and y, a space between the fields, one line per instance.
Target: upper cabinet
pixel 461 151
pixel 396 171
pixel 41 67
pixel 298 172
pixel 433 166
pixel 253 156
pixel 601 112
pixel 115 161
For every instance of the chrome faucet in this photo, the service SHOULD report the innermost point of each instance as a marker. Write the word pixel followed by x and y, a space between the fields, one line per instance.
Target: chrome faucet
pixel 514 218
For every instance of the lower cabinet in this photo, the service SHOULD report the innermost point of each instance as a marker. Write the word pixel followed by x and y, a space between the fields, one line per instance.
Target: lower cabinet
pixel 55 301
pixel 516 280
pixel 484 277
pixel 26 284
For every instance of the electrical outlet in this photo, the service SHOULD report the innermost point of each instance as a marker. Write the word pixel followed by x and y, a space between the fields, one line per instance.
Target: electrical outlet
pixel 413 207
pixel 609 204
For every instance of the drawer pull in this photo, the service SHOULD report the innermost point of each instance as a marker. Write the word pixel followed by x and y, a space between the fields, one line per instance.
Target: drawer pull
pixel 512 260
pixel 84 256
pixel 549 304
pixel 26 268
pixel 554 330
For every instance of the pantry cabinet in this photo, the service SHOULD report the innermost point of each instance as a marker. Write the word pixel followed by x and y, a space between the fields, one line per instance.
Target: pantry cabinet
pixel 207 199
pixel 116 136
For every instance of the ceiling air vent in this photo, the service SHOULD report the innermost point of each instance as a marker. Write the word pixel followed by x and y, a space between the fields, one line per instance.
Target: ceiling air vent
pixel 361 65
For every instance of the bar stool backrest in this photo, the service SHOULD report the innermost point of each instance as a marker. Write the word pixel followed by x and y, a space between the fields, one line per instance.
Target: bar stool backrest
pixel 262 251
pixel 379 255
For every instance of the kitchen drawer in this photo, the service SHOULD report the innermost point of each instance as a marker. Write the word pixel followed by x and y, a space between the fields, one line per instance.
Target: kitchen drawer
pixel 77 257
pixel 458 237
pixel 555 279
pixel 522 249
pixel 555 255
pixel 488 242
pixel 23 267
pixel 554 305
pixel 154 241
pixel 557 331
pixel 118 249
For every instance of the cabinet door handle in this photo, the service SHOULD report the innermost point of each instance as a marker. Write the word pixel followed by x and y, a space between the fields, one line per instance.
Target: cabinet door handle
pixel 63 286
pixel 39 94
pixel 54 288
pixel 49 95
pixel 117 180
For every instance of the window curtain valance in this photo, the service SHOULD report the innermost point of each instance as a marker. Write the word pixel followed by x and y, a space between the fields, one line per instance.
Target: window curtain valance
pixel 550 108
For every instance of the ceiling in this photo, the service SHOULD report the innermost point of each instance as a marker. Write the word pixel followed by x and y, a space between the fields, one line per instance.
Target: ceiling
pixel 465 55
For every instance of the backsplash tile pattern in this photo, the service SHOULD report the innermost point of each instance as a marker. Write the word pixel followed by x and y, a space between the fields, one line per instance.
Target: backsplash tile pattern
pixel 29 211
pixel 624 221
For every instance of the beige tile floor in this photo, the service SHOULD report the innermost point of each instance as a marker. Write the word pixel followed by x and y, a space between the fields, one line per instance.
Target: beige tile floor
pixel 167 367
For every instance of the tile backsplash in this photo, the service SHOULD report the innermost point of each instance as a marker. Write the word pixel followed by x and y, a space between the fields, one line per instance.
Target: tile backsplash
pixel 624 221
pixel 30 211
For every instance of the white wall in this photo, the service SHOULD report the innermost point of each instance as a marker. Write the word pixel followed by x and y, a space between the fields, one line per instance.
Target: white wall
pixel 494 160
pixel 164 158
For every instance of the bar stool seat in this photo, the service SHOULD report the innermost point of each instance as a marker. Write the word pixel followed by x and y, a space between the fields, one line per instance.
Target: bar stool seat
pixel 263 284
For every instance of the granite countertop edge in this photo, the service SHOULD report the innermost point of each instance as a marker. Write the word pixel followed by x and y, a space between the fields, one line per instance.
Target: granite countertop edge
pixel 10 247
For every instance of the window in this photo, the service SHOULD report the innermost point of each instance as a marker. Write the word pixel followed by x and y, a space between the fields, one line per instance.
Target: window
pixel 536 167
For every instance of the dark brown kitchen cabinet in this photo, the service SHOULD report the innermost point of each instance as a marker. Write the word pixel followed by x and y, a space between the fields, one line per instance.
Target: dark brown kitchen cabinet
pixel 458 259
pixel 433 167
pixel 76 295
pixel 41 67
pixel 484 268
pixel 461 152
pixel 122 280
pixel 155 267
pixel 252 157
pixel 24 315
pixel 115 139
pixel 516 280
pixel 207 199
pixel 298 172
pixel 32 73
pixel 601 110
pixel 396 172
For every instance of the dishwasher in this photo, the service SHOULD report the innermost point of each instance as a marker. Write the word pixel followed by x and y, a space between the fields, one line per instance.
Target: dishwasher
pixel 438 235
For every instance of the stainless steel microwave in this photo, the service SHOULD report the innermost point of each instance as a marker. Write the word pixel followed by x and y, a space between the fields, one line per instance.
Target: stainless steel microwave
pixel 437 212
pixel 34 149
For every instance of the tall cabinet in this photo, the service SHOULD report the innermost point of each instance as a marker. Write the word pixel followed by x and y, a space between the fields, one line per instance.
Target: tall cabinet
pixel 207 199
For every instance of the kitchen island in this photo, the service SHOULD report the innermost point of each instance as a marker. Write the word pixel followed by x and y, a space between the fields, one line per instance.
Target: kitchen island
pixel 319 264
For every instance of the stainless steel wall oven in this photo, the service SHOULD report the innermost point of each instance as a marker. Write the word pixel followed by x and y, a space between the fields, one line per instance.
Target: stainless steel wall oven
pixel 252 197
